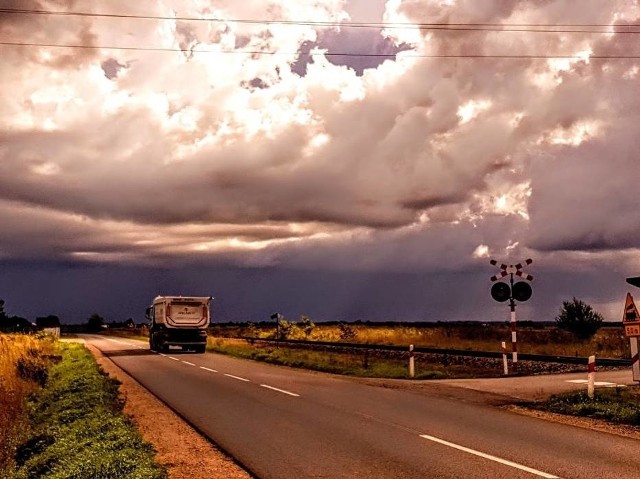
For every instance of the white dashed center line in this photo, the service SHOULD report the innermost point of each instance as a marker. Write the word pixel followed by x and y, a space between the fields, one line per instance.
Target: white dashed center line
pixel 171 357
pixel 280 390
pixel 187 362
pixel 488 456
pixel 238 378
pixel 207 369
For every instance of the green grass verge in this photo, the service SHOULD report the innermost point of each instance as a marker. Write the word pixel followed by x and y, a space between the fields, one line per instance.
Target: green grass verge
pixel 78 429
pixel 336 363
pixel 617 405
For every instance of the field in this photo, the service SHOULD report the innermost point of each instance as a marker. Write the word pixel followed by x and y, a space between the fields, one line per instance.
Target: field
pixel 532 338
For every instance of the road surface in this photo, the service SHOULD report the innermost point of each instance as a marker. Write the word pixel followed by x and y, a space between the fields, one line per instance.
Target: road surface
pixel 286 423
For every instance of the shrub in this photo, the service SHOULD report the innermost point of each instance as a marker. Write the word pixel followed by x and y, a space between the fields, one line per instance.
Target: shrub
pixel 347 332
pixel 95 322
pixel 306 325
pixel 579 318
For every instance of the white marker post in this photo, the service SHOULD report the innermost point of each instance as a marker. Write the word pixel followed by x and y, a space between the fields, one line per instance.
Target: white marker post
pixel 591 378
pixel 505 363
pixel 635 358
pixel 514 338
pixel 412 366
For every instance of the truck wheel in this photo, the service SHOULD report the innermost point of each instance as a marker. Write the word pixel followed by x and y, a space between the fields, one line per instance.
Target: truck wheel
pixel 200 349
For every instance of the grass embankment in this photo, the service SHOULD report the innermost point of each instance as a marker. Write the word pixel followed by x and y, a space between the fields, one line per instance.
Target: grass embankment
pixel 73 427
pixel 616 405
pixel 361 364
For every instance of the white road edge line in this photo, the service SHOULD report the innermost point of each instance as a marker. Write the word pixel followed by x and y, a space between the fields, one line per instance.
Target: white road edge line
pixel 280 390
pixel 207 369
pixel 238 378
pixel 490 457
pixel 187 362
pixel 171 357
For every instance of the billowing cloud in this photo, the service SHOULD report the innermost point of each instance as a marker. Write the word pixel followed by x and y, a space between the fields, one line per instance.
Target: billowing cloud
pixel 268 134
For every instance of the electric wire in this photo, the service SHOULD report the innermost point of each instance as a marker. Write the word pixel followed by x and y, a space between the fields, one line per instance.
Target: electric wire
pixel 492 27
pixel 328 54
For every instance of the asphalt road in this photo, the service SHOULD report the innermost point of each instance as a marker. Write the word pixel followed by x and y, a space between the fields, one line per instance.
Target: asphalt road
pixel 285 423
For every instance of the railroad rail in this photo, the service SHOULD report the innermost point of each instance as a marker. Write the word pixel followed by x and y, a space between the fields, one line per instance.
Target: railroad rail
pixel 543 358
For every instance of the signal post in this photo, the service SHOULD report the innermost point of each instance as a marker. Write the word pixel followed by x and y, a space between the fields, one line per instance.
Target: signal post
pixel 513 291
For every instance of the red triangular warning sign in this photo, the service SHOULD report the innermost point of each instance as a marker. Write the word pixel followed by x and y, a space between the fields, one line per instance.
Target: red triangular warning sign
pixel 630 310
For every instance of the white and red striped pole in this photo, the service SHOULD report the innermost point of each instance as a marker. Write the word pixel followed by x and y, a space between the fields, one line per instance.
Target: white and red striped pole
pixel 514 337
pixel 505 363
pixel 635 358
pixel 412 368
pixel 591 377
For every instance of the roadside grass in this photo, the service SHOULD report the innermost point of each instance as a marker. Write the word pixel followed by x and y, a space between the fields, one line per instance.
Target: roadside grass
pixel 532 338
pixel 77 429
pixel 344 363
pixel 24 363
pixel 616 405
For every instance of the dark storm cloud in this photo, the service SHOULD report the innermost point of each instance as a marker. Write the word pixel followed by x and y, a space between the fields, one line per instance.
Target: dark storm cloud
pixel 590 202
pixel 395 179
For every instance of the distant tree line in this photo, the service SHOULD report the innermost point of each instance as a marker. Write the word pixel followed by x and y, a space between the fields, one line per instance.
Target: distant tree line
pixel 575 316
pixel 13 324
pixel 18 324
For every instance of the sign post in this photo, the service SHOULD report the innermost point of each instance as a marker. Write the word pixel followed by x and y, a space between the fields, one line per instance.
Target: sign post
pixel 631 324
pixel 412 364
pixel 277 317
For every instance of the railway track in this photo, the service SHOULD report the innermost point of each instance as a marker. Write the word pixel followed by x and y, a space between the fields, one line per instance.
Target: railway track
pixel 543 358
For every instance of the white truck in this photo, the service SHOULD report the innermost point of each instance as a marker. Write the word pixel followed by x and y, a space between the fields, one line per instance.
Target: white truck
pixel 179 321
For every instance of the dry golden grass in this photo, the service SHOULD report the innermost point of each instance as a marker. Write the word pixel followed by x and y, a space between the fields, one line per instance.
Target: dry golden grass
pixel 23 364
pixel 607 342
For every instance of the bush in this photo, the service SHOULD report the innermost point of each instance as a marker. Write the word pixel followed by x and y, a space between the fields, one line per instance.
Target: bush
pixel 95 322
pixel 347 332
pixel 579 318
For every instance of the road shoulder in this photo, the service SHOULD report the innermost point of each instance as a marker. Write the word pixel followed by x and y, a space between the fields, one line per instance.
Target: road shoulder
pixel 181 449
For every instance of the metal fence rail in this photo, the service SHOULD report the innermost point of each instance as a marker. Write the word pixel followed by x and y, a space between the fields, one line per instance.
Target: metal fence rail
pixel 447 352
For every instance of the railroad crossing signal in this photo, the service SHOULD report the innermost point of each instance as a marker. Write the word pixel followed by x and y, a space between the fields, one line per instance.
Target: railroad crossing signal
pixel 519 291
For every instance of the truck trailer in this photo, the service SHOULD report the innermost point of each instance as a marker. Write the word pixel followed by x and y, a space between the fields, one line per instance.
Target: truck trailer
pixel 179 321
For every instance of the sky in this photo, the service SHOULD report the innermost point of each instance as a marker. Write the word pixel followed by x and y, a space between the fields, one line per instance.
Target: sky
pixel 326 158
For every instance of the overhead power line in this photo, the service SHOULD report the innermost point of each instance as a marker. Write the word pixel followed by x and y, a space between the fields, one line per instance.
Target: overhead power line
pixel 328 54
pixel 595 28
